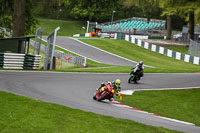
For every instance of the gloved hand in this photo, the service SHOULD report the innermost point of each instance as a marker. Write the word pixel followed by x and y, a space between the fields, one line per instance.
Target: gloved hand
pixel 117 94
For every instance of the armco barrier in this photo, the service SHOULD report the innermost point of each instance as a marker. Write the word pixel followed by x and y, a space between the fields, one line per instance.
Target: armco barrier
pixel 164 51
pixel 32 61
pixel 12 60
pixel 19 61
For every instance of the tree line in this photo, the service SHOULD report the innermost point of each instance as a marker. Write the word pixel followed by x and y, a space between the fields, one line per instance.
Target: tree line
pixel 20 15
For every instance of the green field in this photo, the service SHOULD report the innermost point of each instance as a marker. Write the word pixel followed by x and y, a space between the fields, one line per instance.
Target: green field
pixel 126 49
pixel 181 49
pixel 178 104
pixel 67 28
pixel 19 114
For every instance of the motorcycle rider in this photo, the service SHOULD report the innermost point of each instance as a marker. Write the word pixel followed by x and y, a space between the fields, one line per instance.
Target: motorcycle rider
pixel 102 85
pixel 115 85
pixel 139 68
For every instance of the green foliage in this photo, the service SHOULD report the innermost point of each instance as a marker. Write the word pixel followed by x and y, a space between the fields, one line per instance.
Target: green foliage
pixel 94 10
pixel 30 20
pixel 6 16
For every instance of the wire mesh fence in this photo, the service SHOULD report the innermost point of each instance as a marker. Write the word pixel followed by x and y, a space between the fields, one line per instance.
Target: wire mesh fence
pixel 194 48
pixel 64 60
pixel 38 38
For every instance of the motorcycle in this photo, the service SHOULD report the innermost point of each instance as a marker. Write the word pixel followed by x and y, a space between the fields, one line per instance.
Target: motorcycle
pixel 135 76
pixel 105 92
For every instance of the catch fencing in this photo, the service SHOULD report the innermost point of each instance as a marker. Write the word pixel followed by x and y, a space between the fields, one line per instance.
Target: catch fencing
pixel 69 58
pixel 184 35
pixel 38 39
pixel 65 57
pixel 194 48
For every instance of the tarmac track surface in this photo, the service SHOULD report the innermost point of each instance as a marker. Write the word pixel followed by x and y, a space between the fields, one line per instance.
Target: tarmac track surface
pixel 76 90
pixel 92 53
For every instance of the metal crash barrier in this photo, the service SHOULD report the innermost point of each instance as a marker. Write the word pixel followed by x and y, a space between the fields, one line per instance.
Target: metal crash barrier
pixel 19 61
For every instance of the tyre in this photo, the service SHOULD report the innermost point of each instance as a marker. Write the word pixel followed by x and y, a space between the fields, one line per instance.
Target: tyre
pixel 136 79
pixel 102 97
pixel 129 80
pixel 94 97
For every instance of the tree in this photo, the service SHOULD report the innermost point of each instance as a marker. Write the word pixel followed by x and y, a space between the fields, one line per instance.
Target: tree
pixel 190 8
pixel 93 10
pixel 182 8
pixel 18 16
pixel 5 15
pixel 169 9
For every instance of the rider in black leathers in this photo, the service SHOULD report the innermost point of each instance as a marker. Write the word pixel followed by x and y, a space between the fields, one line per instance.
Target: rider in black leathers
pixel 138 69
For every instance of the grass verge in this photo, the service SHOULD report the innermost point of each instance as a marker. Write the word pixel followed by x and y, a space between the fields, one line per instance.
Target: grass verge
pixel 67 28
pixel 21 115
pixel 181 49
pixel 178 104
pixel 126 49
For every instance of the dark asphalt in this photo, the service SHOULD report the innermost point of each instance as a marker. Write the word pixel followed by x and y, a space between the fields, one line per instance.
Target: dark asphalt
pixel 76 90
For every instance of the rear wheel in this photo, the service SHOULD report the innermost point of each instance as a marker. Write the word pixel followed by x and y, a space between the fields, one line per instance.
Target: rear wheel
pixel 135 80
pixel 129 80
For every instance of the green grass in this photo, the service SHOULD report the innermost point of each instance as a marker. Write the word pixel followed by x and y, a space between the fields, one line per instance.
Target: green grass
pixel 136 53
pixel 67 28
pixel 181 49
pixel 178 104
pixel 19 114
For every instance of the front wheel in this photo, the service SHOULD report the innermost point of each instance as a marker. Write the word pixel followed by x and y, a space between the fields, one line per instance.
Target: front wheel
pixel 94 97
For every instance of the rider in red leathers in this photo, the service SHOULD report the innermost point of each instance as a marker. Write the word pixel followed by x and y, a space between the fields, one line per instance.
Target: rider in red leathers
pixel 115 85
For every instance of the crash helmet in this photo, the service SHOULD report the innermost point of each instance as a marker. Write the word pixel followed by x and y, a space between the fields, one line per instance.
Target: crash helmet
pixel 141 63
pixel 117 82
pixel 109 82
pixel 102 84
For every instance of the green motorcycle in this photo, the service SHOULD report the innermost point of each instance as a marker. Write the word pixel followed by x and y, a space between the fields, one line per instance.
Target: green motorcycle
pixel 134 76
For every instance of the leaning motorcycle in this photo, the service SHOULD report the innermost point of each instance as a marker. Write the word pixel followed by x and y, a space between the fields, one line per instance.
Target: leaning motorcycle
pixel 105 92
pixel 134 76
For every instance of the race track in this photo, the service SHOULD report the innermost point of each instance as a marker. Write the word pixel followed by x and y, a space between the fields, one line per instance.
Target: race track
pixel 76 89
pixel 92 53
